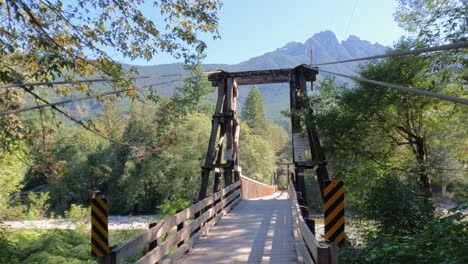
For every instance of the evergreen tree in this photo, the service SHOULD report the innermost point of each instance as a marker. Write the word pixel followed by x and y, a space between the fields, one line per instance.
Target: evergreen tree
pixel 191 98
pixel 253 113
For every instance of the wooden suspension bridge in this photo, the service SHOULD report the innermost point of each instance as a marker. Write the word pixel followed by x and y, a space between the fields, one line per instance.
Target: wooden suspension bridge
pixel 243 221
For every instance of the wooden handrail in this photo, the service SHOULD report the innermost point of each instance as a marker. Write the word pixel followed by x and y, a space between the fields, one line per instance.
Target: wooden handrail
pixel 225 196
pixel 309 248
pixel 254 181
pixel 255 189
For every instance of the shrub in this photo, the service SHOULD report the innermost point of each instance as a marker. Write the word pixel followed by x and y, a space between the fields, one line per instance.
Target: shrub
pixel 443 241
pixel 12 213
pixel 396 207
pixel 171 206
pixel 78 215
pixel 57 246
pixel 38 205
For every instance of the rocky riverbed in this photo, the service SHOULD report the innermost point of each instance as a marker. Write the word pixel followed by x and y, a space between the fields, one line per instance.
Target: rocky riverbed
pixel 115 223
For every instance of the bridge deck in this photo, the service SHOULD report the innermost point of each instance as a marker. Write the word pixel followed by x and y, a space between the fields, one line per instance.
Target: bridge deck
pixel 255 231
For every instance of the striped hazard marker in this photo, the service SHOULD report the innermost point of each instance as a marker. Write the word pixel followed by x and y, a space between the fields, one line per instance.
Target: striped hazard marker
pixel 334 211
pixel 99 227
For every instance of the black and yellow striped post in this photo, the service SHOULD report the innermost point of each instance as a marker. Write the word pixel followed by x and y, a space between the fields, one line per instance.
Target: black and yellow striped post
pixel 99 226
pixel 334 211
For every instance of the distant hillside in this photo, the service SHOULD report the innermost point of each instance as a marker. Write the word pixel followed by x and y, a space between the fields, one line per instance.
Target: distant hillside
pixel 325 46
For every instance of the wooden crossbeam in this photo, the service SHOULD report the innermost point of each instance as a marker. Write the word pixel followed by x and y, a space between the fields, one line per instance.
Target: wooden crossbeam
pixel 262 76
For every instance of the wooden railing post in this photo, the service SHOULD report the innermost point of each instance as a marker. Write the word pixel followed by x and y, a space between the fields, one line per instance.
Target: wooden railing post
pixel 179 227
pixel 334 254
pixel 153 244
pixel 304 211
pixel 310 224
pixel 323 255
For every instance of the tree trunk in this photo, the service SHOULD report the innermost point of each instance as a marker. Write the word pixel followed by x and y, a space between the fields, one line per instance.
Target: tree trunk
pixel 444 189
pixel 421 156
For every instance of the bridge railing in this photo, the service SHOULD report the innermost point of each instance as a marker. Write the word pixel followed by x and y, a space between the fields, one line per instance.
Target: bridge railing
pixel 255 189
pixel 177 233
pixel 307 245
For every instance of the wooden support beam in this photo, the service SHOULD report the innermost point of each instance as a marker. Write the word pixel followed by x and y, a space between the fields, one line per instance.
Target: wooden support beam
pixel 219 159
pixel 262 76
pixel 236 130
pixel 315 146
pixel 228 122
pixel 228 119
pixel 296 107
pixel 210 154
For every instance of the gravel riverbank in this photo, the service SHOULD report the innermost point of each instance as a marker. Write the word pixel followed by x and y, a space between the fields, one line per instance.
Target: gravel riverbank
pixel 115 223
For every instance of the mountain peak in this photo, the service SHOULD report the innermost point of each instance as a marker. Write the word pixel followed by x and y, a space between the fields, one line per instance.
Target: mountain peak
pixel 358 48
pixel 353 38
pixel 326 36
pixel 325 47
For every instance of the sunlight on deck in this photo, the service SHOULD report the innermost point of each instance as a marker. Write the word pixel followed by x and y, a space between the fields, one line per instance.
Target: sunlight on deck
pixel 255 231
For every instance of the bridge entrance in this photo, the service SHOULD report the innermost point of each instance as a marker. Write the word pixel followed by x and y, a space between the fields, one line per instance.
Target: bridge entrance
pixel 222 156
pixel 228 225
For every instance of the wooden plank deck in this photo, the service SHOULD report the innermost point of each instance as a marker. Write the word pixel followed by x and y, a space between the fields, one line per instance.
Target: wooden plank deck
pixel 255 231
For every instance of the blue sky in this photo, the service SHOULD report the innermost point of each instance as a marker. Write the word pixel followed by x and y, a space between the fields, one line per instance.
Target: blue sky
pixel 250 28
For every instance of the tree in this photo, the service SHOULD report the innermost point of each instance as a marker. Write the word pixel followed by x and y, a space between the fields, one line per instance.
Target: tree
pixel 143 181
pixel 10 180
pixel 53 36
pixel 54 39
pixel 192 96
pixel 257 158
pixel 396 130
pixel 253 113
pixel 434 21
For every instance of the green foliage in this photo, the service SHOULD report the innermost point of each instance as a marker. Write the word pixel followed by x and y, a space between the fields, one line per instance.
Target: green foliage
pixel 10 180
pixel 395 206
pixel 313 195
pixel 53 246
pixel 57 246
pixel 172 206
pixel 38 205
pixel 190 98
pixel 258 157
pixel 386 144
pixel 253 113
pixel 49 40
pixel 442 241
pixel 146 177
pixel 435 20
pixel 400 133
pixel 39 148
pixel 280 142
pixel 262 143
pixel 11 127
pixel 117 237
pixel 79 215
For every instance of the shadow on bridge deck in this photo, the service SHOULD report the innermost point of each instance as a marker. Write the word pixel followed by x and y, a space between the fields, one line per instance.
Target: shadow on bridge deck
pixel 255 231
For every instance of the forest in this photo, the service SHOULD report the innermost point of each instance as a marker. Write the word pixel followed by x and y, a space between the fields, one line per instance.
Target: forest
pixel 401 156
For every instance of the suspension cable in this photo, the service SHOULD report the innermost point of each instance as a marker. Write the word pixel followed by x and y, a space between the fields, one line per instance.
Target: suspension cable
pixel 403 88
pixel 457 45
pixel 84 98
pixel 75 120
pixel 12 85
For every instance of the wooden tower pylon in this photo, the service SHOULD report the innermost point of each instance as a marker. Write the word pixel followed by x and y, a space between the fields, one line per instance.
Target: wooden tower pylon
pixel 225 130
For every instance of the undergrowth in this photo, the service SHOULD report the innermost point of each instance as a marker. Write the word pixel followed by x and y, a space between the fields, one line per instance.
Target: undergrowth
pixel 443 241
pixel 52 246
